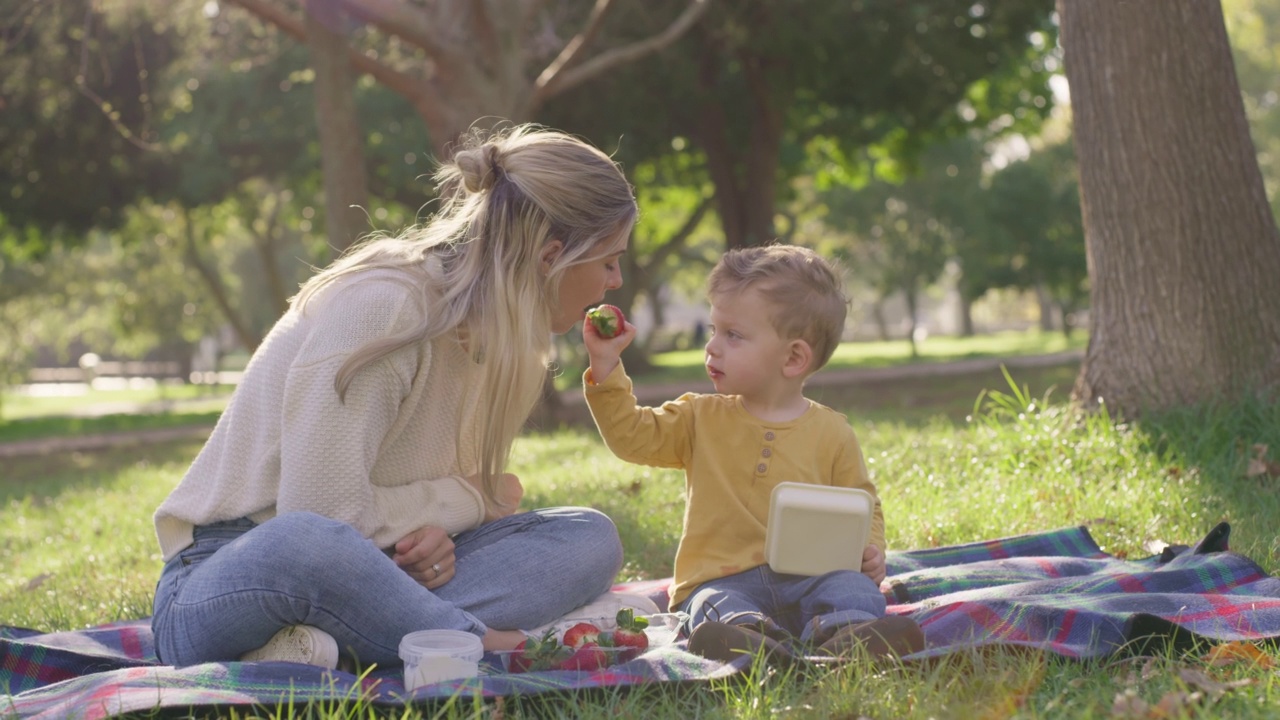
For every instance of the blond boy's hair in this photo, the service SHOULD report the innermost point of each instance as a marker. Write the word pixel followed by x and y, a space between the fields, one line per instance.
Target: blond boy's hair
pixel 805 292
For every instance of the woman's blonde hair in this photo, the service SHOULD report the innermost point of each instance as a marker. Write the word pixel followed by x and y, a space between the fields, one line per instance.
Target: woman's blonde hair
pixel 503 197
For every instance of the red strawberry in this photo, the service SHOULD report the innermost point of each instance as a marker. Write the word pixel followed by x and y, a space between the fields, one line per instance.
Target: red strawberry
pixel 608 320
pixel 589 656
pixel 630 634
pixel 536 653
pixel 581 634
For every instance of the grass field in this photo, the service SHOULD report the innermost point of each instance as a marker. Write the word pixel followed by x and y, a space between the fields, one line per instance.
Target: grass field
pixel 77 545
pixel 82 410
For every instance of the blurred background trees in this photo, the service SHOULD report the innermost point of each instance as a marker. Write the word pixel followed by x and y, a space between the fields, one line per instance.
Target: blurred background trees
pixel 172 171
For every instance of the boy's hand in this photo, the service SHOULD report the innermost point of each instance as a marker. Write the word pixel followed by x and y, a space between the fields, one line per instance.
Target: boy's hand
pixel 873 563
pixel 604 352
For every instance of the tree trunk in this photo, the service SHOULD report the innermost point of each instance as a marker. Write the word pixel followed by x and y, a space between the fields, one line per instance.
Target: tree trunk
pixel 966 316
pixel 346 193
pixel 745 196
pixel 1182 248
pixel 1045 301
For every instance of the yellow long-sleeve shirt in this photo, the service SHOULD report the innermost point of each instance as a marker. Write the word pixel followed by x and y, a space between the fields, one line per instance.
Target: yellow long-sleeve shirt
pixel 732 461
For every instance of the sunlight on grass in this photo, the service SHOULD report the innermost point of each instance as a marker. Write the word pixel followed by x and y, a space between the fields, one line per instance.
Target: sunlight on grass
pixel 687 364
pixel 77 542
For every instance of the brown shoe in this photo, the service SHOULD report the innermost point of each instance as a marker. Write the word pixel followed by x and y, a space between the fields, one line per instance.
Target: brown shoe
pixel 726 643
pixel 889 636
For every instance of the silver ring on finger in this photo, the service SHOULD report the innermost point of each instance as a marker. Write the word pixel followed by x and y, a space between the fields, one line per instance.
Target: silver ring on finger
pixel 436 568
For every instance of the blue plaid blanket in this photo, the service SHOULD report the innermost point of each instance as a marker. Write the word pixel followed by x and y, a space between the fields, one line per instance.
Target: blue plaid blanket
pixel 1055 591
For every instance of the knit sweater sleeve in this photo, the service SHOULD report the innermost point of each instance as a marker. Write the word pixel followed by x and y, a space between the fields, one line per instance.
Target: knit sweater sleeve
pixel 329 445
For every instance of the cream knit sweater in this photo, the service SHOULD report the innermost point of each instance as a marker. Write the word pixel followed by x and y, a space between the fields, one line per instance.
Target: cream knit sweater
pixel 387 461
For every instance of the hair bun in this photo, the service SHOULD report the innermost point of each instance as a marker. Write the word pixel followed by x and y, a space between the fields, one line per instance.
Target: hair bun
pixel 479 167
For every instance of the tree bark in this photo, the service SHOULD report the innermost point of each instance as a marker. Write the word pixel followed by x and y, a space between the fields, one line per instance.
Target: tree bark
pixel 346 191
pixel 1182 249
pixel 745 195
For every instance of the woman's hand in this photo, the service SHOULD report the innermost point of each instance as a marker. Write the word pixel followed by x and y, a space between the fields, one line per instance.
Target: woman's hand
pixel 426 554
pixel 509 494
pixel 873 563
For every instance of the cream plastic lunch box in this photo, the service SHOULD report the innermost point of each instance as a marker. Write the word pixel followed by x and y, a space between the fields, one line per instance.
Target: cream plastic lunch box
pixel 815 529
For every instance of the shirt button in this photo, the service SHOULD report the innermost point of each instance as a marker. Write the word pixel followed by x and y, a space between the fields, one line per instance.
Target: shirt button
pixel 768 435
pixel 761 468
pixel 766 452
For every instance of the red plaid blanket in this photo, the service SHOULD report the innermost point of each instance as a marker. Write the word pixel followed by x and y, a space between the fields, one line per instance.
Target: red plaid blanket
pixel 1056 591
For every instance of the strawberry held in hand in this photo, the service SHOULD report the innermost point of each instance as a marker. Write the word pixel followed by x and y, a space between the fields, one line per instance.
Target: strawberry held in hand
pixel 608 320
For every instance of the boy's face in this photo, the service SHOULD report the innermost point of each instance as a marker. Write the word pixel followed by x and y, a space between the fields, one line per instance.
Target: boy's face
pixel 744 354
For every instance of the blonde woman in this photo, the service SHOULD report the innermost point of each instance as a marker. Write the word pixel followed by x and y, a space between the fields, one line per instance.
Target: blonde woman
pixel 356 487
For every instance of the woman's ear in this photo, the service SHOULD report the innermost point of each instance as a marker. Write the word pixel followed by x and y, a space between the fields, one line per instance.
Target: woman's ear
pixel 547 256
pixel 799 358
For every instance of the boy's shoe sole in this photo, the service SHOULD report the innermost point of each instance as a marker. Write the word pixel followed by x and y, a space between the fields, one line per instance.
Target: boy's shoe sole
pixel 725 643
pixel 889 636
pixel 298 644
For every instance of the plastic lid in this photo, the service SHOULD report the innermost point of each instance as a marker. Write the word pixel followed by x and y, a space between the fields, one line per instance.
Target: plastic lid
pixel 816 529
pixel 450 643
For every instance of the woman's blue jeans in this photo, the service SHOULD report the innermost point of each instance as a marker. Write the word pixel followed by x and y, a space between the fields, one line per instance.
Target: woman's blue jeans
pixel 239 583
pixel 808 608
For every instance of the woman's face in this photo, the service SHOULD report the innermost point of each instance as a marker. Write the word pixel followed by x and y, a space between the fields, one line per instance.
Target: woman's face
pixel 582 286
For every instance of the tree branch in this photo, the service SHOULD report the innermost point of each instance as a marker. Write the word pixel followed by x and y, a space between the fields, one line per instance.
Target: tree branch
pixel 400 82
pixel 569 77
pixel 249 339
pixel 572 51
pixel 404 21
pixel 424 98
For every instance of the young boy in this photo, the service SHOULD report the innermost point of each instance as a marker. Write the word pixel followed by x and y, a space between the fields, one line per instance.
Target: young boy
pixel 777 314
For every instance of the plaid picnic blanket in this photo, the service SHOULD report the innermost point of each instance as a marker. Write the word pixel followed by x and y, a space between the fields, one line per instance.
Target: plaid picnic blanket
pixel 1056 591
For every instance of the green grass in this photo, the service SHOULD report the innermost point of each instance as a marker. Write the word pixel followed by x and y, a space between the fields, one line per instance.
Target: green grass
pixel 23 417
pixel 687 364
pixel 77 544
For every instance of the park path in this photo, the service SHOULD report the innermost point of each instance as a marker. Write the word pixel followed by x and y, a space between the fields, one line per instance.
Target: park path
pixel 573 406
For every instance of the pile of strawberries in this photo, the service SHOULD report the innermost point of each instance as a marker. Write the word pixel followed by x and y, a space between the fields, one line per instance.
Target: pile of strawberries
pixel 584 646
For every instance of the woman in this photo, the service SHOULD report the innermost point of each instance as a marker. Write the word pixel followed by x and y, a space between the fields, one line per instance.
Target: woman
pixel 355 489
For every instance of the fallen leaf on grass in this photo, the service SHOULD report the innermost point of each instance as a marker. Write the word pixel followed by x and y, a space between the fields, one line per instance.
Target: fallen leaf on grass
pixel 37 581
pixel 1238 652
pixel 1199 680
pixel 1173 704
pixel 1260 465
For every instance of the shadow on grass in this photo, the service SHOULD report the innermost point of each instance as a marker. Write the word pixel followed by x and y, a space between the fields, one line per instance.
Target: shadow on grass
pixel 46 476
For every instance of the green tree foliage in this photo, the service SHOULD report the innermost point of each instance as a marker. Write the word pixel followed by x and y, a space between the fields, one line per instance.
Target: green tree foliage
pixel 1254 28
pixel 78 121
pixel 1034 208
pixel 758 80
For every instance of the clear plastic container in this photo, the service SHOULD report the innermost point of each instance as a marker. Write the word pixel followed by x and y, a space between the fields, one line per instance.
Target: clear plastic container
pixel 432 656
pixel 817 529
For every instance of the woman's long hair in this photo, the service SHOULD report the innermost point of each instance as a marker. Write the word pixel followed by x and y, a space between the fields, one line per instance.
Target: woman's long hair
pixel 503 198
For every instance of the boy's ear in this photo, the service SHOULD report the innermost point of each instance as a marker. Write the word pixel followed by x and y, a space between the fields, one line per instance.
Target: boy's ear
pixel 799 358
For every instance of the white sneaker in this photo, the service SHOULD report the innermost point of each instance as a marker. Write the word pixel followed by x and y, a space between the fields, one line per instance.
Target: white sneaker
pixel 601 612
pixel 298 644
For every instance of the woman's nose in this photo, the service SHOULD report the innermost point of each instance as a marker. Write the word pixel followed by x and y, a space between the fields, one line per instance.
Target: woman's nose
pixel 615 279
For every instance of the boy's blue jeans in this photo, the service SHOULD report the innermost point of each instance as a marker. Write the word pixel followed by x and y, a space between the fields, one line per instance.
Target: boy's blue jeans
pixel 808 608
pixel 240 583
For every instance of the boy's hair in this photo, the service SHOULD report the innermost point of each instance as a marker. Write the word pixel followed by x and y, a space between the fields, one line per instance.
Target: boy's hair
pixel 804 290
